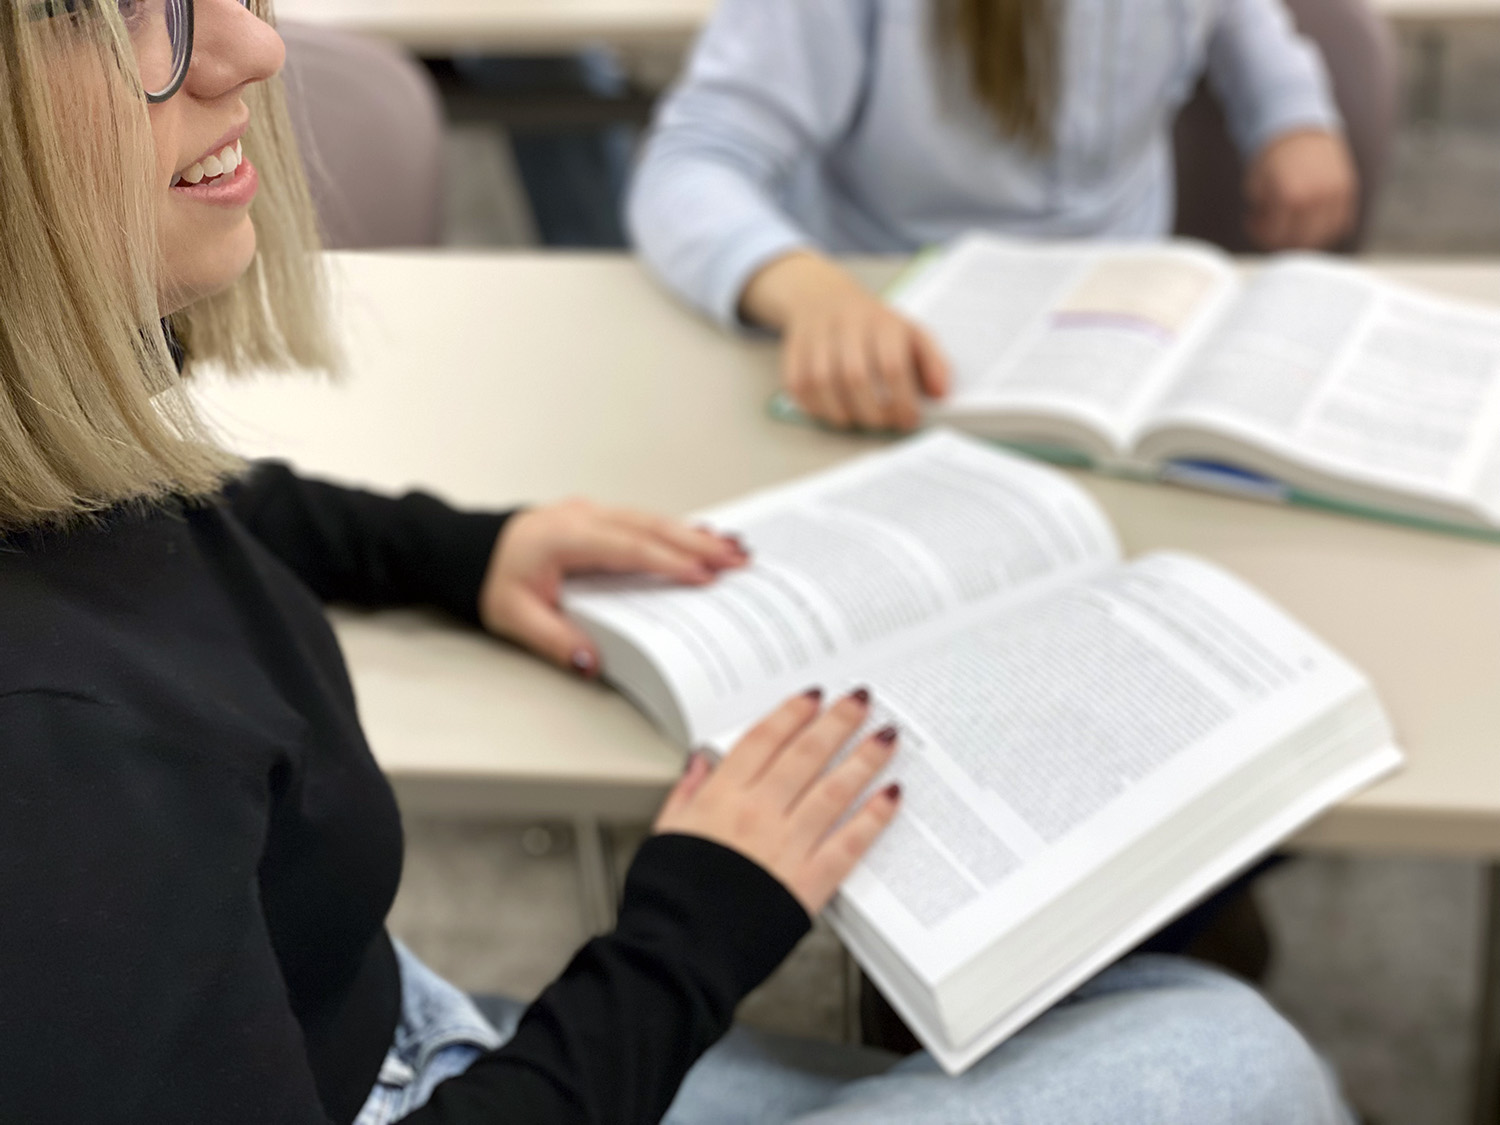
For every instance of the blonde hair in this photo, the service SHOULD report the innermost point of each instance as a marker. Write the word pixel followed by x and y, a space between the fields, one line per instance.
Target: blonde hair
pixel 1011 54
pixel 93 412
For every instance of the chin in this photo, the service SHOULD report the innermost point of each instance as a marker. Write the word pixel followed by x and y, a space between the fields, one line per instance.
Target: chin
pixel 209 268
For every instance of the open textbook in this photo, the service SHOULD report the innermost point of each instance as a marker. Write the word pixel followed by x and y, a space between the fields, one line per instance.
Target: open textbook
pixel 1088 746
pixel 1160 361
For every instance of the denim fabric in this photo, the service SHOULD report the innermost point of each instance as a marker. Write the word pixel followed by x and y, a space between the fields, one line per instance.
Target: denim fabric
pixel 1153 1041
pixel 441 1033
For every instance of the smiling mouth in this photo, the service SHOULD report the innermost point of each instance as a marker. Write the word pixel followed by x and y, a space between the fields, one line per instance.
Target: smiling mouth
pixel 221 165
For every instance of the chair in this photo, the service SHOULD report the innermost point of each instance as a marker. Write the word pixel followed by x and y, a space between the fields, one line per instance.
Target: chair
pixel 1360 50
pixel 369 122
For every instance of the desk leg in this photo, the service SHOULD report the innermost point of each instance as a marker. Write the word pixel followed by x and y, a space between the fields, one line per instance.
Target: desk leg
pixel 596 883
pixel 851 997
pixel 1487 1042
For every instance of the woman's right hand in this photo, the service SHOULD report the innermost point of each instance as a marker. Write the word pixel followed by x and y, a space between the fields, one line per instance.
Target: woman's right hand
pixel 847 358
pixel 775 800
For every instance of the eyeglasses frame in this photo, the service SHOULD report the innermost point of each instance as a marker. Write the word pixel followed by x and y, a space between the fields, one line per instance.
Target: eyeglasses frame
pixel 48 9
pixel 182 68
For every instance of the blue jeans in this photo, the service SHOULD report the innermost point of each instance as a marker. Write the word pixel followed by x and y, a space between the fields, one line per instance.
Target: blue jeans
pixel 1155 1040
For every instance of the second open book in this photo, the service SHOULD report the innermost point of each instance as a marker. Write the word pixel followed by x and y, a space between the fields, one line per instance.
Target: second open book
pixel 1161 361
pixel 1088 745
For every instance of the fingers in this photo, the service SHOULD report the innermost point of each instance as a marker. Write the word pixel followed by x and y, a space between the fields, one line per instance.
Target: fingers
pixel 859 381
pixel 609 546
pixel 533 622
pixel 1333 222
pixel 816 372
pixel 751 801
pixel 1311 226
pixel 829 799
pixel 838 854
pixel 766 739
pixel 712 549
pixel 788 774
pixel 898 370
pixel 862 366
pixel 1302 192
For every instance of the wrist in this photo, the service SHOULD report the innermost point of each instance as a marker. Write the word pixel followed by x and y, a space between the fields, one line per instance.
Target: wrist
pixel 722 908
pixel 792 284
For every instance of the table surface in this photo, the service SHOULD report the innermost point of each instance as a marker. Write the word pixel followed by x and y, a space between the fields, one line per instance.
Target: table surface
pixel 445 26
pixel 494 379
pixel 505 26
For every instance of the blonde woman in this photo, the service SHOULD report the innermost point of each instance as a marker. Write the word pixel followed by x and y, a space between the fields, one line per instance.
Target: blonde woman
pixel 197 851
pixel 811 127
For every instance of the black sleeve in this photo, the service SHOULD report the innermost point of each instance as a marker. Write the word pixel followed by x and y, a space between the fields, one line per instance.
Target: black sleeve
pixel 137 979
pixel 365 549
pixel 609 1042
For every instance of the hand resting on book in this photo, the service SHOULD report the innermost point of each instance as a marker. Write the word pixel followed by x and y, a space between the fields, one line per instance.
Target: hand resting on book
pixel 847 357
pixel 778 799
pixel 539 548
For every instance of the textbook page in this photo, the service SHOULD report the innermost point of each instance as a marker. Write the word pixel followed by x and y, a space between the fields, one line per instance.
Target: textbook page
pixel 1353 377
pixel 1086 331
pixel 863 559
pixel 1042 740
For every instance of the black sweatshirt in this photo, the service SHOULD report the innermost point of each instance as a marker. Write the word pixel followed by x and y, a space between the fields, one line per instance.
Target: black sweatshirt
pixel 198 852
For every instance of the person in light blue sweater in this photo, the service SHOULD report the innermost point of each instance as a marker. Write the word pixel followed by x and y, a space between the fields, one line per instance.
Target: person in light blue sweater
pixel 809 128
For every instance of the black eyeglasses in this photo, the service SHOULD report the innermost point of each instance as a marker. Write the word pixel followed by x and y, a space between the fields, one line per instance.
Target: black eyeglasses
pixel 161 32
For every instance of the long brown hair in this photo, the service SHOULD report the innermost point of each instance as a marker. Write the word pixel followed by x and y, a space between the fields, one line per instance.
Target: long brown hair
pixel 1011 52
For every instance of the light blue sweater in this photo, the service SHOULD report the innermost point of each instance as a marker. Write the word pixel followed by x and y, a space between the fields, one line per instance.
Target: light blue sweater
pixel 833 124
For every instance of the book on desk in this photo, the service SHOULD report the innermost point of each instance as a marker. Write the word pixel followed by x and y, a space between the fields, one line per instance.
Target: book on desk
pixel 1089 745
pixel 1312 382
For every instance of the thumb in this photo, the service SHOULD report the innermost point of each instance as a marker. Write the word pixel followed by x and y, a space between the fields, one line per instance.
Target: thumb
pixel 541 627
pixel 692 779
pixel 932 365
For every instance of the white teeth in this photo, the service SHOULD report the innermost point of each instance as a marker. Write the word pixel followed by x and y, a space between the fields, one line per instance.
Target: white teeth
pixel 225 162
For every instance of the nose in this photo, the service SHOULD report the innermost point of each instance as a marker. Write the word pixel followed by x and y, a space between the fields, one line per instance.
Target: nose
pixel 232 48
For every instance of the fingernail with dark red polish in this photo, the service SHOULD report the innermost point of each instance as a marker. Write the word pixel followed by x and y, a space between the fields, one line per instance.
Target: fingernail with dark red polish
pixel 887 735
pixel 892 791
pixel 861 696
pixel 815 694
pixel 583 662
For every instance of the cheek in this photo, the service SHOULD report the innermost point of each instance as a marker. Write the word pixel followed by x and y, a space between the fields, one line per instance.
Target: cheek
pixel 165 135
pixel 203 249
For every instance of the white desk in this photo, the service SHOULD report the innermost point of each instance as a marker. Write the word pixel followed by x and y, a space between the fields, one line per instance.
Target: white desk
pixel 495 379
pixel 445 27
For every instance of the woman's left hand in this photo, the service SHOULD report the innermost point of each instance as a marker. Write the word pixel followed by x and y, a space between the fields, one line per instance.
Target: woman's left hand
pixel 541 547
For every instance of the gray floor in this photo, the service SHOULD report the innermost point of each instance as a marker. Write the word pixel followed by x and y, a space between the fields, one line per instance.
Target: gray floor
pixel 1376 958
